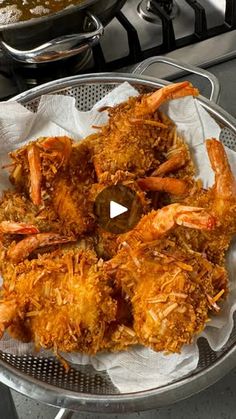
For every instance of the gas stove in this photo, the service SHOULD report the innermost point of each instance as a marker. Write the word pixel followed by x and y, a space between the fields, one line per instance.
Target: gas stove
pixel 157 27
pixel 199 32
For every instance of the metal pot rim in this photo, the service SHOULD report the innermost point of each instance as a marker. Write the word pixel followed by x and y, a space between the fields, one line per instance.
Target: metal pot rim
pixel 129 402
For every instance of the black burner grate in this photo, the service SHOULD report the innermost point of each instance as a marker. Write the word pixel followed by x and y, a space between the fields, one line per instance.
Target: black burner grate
pixel 169 40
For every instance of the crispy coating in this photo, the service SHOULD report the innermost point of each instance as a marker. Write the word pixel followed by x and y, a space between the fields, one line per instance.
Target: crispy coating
pixel 138 136
pixel 36 163
pixel 171 291
pixel 70 191
pixel 159 282
pixel 57 172
pixel 220 200
pixel 134 147
pixel 64 298
pixel 106 244
pixel 73 207
pixel 120 334
pixel 16 207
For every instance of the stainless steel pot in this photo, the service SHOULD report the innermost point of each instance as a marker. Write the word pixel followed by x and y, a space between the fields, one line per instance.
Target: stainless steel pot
pixel 83 388
pixel 59 35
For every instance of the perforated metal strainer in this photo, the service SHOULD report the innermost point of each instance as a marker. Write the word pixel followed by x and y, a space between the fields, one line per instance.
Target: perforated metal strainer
pixel 83 388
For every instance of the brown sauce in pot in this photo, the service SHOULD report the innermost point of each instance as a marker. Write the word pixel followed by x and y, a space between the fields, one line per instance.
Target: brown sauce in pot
pixel 16 10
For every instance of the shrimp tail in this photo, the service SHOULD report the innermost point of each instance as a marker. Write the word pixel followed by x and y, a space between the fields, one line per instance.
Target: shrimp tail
pixel 35 174
pixel 157 223
pixel 170 185
pixel 225 184
pixel 11 227
pixel 21 250
pixel 172 91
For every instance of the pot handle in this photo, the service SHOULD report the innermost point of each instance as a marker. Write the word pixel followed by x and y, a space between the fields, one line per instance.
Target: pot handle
pixel 58 48
pixel 215 86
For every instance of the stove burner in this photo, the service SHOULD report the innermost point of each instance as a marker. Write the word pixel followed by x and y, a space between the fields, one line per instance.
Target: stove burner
pixel 145 10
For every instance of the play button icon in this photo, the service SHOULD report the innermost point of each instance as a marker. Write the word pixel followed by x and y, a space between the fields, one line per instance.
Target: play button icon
pixel 117 208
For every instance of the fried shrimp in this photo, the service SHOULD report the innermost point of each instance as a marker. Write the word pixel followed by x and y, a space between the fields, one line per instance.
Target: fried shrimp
pixel 138 135
pixel 36 163
pixel 171 289
pixel 220 201
pixel 69 285
pixel 57 171
pixel 171 292
pixel 17 210
pixel 173 286
pixel 63 297
pixel 157 223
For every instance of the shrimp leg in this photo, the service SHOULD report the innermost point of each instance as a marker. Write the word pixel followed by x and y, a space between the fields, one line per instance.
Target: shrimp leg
pixel 174 163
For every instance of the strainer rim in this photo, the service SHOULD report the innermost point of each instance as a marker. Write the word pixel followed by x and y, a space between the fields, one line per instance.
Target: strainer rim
pixel 141 400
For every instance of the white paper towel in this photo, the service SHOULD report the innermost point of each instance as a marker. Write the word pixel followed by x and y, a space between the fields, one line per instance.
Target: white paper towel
pixel 138 368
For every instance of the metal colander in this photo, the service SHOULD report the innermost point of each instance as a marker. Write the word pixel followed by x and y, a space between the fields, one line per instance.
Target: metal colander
pixel 83 388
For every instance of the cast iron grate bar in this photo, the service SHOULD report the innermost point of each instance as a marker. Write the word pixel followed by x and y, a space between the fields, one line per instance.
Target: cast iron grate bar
pixel 230 13
pixel 99 59
pixel 168 34
pixel 133 39
pixel 200 18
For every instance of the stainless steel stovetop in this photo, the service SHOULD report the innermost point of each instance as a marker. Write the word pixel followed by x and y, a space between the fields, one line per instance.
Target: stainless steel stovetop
pixel 149 33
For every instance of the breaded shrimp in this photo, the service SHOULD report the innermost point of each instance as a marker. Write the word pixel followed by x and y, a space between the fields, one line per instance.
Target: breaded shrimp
pixel 132 139
pixel 63 299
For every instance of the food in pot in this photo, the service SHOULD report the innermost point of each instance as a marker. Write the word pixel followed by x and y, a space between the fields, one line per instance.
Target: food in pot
pixel 12 11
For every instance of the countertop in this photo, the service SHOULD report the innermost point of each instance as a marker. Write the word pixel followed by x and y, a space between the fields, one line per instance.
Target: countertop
pixel 218 401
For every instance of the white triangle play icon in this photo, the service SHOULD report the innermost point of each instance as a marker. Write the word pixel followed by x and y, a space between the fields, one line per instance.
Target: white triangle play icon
pixel 116 209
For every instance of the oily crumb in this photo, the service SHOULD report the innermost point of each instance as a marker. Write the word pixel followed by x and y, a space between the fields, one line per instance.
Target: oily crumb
pixel 10 14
